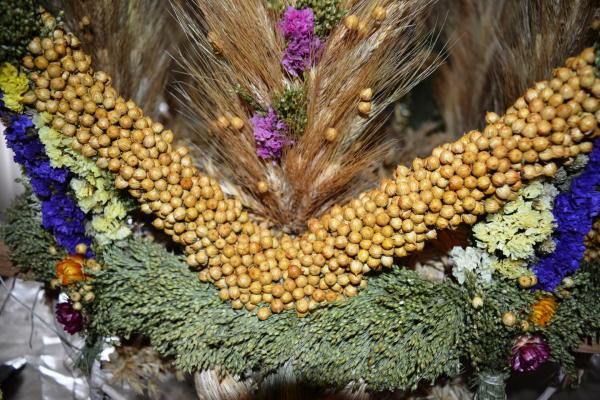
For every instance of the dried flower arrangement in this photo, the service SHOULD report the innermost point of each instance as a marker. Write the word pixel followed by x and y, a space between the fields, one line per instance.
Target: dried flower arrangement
pixel 290 249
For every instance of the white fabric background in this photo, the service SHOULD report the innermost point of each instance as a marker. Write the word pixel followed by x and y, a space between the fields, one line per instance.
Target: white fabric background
pixel 9 171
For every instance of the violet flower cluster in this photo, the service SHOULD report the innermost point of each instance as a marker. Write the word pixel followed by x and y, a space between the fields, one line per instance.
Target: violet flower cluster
pixel 298 28
pixel 574 212
pixel 69 317
pixel 60 214
pixel 528 353
pixel 270 134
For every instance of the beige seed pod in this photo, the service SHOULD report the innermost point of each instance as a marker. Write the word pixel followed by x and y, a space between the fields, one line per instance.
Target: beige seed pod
pixel 262 187
pixel 237 123
pixel 351 22
pixel 331 134
pixel 379 13
pixel 366 94
pixel 364 107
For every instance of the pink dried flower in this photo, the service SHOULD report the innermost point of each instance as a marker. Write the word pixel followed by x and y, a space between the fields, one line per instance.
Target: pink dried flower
pixel 69 317
pixel 298 28
pixel 528 353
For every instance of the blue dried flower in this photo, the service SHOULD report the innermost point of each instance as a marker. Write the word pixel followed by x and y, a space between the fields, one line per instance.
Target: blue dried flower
pixel 574 212
pixel 60 214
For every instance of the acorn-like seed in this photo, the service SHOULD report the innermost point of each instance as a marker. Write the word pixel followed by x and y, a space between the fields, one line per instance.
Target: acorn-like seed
pixel 331 134
pixel 379 13
pixel 364 107
pixel 366 94
pixel 237 123
pixel 509 319
pixel 351 22
pixel 262 187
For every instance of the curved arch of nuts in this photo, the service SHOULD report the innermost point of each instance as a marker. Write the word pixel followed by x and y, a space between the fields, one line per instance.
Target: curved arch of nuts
pixel 257 268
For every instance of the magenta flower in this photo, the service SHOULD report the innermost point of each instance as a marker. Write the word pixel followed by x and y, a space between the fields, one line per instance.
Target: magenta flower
pixel 270 134
pixel 298 28
pixel 69 317
pixel 528 353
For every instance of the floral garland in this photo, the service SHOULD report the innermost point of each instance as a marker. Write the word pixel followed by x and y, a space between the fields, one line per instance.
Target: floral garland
pixel 60 213
pixel 402 293
pixel 574 211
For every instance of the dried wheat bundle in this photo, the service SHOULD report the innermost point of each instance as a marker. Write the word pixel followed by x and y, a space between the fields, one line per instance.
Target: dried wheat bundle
pixel 499 47
pixel 388 57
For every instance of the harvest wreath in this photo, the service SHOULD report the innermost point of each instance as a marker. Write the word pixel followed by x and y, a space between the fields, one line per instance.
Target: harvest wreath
pixel 304 272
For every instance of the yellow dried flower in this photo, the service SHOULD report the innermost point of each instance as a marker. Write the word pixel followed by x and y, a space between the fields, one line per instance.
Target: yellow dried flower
pixel 543 310
pixel 520 225
pixel 510 268
pixel 92 186
pixel 13 84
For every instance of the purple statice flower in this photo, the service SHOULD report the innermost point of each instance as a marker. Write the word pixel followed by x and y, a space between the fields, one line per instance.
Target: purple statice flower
pixel 574 212
pixel 302 44
pixel 69 317
pixel 60 214
pixel 528 353
pixel 270 134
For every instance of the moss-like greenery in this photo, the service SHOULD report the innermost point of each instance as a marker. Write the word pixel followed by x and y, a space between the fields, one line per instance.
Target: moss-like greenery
pixel 291 107
pixel 577 316
pixel 488 341
pixel 391 336
pixel 31 248
pixel 19 23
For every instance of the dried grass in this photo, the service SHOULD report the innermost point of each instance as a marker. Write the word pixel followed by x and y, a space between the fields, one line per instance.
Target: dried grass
pixel 390 58
pixel 130 40
pixel 499 48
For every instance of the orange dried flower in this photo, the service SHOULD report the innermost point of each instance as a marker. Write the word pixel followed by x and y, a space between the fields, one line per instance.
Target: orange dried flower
pixel 70 269
pixel 543 310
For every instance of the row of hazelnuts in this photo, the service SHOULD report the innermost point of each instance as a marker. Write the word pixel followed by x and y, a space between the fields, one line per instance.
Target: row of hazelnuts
pixel 258 269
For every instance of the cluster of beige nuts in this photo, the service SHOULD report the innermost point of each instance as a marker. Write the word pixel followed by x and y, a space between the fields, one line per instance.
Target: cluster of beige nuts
pixel 263 270
pixel 354 23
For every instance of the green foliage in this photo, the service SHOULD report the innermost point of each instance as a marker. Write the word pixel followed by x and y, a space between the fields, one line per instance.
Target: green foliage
pixel 577 316
pixel 488 341
pixel 31 248
pixel 400 331
pixel 328 14
pixel 291 107
pixel 89 354
pixel 19 23
pixel 391 335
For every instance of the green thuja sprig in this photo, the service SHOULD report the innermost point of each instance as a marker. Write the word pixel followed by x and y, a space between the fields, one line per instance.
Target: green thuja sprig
pixel 19 23
pixel 576 316
pixel 291 107
pixel 31 248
